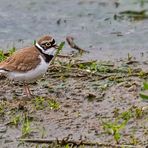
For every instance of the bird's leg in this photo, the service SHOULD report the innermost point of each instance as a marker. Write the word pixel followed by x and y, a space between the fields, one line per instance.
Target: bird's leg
pixel 27 90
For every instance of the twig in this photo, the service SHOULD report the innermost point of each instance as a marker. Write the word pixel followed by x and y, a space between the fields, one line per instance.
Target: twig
pixel 83 62
pixel 144 108
pixel 71 68
pixel 78 143
pixel 68 75
pixel 71 43
pixel 2 77
pixel 84 71
pixel 132 62
pixel 64 56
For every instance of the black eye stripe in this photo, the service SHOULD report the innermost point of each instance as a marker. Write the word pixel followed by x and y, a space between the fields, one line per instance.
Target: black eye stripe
pixel 52 42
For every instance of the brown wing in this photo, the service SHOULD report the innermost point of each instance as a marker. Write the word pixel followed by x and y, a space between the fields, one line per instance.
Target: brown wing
pixel 22 60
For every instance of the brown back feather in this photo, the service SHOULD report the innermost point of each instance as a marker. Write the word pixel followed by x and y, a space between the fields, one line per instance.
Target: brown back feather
pixel 22 60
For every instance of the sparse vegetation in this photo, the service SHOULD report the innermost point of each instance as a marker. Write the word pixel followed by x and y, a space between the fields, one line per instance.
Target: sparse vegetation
pixel 114 128
pixel 121 120
pixel 42 103
pixel 15 120
pixel 3 55
pixel 144 94
pixel 101 76
pixel 26 127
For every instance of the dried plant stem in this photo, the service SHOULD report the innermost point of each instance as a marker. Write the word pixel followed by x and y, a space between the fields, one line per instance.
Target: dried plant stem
pixel 70 41
pixel 78 143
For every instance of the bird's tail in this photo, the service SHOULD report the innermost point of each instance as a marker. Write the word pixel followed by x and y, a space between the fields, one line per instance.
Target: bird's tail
pixel 3 71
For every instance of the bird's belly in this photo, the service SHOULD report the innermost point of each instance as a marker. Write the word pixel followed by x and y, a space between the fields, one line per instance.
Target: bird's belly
pixel 29 75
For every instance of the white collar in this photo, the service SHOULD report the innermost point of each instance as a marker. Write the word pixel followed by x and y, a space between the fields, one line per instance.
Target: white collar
pixel 38 46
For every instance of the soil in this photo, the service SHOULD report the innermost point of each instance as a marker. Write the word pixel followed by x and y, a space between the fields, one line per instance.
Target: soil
pixel 85 101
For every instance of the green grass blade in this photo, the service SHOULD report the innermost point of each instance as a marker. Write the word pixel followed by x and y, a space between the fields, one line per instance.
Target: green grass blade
pixel 58 51
pixel 145 85
pixel 144 96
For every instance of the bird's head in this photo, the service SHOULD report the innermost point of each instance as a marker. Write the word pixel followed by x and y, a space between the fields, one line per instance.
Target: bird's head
pixel 47 45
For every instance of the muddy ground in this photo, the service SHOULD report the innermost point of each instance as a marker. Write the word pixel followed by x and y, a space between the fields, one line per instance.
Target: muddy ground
pixel 86 98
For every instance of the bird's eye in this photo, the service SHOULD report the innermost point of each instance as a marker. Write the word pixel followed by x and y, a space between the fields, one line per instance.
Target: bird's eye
pixel 48 44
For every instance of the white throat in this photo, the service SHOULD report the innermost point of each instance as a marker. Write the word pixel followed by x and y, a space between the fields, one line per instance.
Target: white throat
pixel 36 44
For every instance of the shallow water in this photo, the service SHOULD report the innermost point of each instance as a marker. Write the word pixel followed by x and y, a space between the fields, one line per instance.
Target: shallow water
pixel 91 22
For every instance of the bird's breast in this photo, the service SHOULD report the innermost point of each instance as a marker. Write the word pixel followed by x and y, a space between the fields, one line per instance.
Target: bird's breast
pixel 32 74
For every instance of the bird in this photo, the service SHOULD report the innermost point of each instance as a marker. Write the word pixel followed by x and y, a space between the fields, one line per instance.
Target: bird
pixel 30 63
